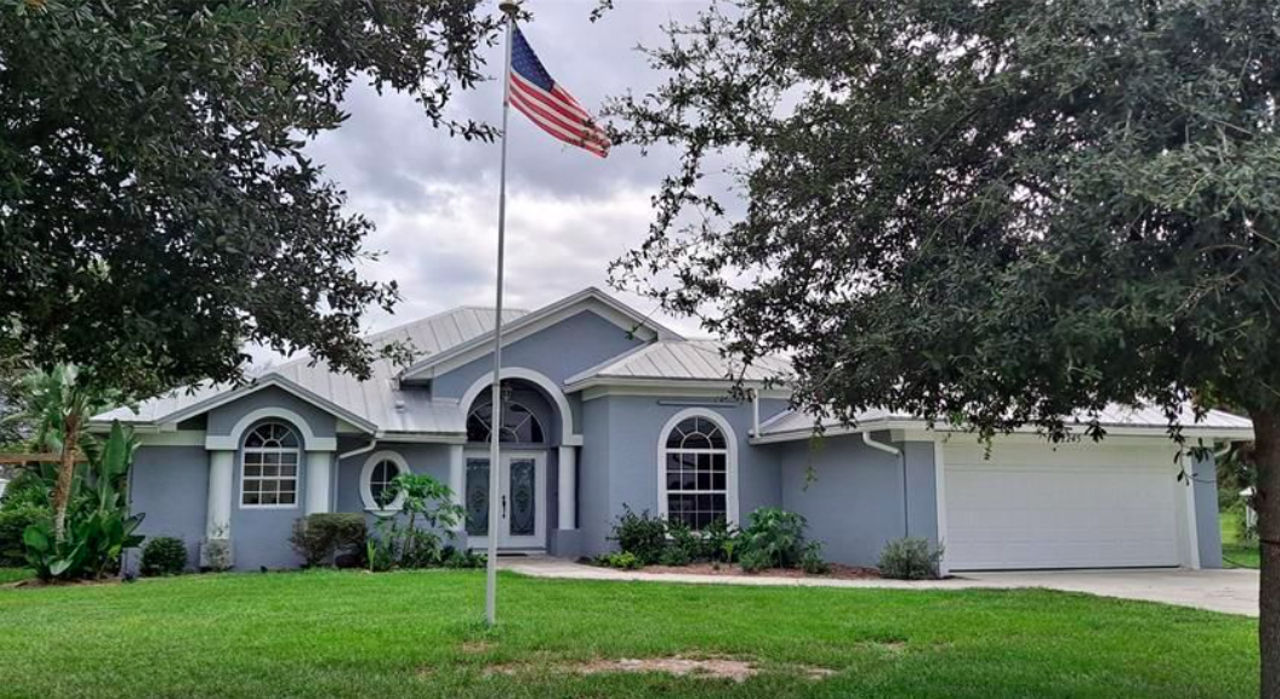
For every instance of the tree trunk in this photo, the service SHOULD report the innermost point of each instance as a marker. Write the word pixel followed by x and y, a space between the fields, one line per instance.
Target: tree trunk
pixel 1266 427
pixel 66 470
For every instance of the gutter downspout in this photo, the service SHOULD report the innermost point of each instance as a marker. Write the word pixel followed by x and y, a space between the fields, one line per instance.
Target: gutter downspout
pixel 336 468
pixel 755 413
pixel 902 460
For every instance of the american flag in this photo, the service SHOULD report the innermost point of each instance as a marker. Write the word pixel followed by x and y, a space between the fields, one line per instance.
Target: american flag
pixel 540 98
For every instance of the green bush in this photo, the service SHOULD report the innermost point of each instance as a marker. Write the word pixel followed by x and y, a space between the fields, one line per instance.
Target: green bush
pixel 910 558
pixel 675 556
pixel 812 562
pixel 164 555
pixel 773 539
pixel 462 558
pixel 622 560
pixel 321 538
pixel 15 517
pixel 720 541
pixel 684 546
pixel 641 535
pixel 754 561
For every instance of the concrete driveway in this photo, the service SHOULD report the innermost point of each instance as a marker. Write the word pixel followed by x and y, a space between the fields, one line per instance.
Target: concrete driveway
pixel 1230 591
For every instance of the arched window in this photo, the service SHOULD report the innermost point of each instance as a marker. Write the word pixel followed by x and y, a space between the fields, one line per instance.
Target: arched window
pixel 377 488
pixel 697 466
pixel 519 425
pixel 269 473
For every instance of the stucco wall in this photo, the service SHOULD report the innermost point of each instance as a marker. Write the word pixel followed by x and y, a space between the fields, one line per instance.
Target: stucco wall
pixel 223 419
pixel 854 496
pixel 170 488
pixel 619 460
pixel 573 345
pixel 1204 479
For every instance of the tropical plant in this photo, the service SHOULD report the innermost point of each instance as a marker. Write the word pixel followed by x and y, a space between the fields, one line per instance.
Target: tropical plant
pixel 642 535
pixel 720 540
pixel 774 537
pixel 164 555
pixel 427 508
pixel 154 171
pixel 14 519
pixel 811 560
pixel 100 528
pixel 910 558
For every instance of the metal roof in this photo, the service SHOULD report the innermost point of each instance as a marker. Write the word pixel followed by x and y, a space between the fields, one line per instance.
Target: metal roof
pixel 682 360
pixel 793 424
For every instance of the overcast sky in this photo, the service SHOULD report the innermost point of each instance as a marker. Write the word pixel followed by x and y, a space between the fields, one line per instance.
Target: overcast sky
pixel 434 199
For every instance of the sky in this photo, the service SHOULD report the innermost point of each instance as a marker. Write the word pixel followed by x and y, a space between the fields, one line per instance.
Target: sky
pixel 434 199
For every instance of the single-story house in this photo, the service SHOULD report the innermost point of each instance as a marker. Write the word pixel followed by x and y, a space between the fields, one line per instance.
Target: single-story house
pixel 606 409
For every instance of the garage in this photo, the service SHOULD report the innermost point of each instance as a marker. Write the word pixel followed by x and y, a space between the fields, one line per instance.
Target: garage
pixel 1032 505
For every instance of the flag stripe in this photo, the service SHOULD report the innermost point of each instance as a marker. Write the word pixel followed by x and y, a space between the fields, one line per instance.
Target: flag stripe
pixel 536 96
pixel 554 128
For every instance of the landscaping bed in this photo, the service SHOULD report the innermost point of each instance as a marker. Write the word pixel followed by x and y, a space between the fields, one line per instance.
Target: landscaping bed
pixel 835 571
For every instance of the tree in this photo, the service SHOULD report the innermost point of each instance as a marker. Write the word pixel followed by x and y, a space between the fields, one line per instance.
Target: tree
pixel 993 214
pixel 58 404
pixel 157 208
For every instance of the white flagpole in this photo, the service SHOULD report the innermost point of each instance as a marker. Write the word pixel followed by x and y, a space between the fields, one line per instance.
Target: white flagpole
pixel 509 7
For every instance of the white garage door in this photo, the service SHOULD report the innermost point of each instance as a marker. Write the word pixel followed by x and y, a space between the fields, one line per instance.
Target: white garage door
pixel 1076 506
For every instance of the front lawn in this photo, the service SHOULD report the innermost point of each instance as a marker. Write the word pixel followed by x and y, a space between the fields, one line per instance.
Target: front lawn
pixel 323 634
pixel 1236 553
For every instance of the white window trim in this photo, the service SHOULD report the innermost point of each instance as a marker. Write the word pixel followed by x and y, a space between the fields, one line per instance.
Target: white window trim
pixel 366 477
pixel 731 459
pixel 297 471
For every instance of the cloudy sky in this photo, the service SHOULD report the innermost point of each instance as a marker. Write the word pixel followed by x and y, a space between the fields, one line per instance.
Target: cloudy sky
pixel 434 199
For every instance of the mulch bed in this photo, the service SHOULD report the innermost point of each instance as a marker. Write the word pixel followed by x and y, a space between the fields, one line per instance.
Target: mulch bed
pixel 838 571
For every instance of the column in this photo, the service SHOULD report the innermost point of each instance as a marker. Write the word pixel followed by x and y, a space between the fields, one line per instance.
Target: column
pixel 218 517
pixel 568 488
pixel 318 486
pixel 457 481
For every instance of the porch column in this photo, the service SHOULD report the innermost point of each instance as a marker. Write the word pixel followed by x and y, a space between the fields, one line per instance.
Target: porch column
pixel 218 514
pixel 457 481
pixel 319 475
pixel 568 488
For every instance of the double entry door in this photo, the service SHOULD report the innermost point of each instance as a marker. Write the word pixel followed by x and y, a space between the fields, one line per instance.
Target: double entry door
pixel 521 499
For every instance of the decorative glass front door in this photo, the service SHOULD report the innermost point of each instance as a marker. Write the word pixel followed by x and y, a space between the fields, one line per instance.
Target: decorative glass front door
pixel 521 499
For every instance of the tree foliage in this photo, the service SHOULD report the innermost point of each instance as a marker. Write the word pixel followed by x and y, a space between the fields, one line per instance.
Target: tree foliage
pixel 987 213
pixel 1001 212
pixel 157 207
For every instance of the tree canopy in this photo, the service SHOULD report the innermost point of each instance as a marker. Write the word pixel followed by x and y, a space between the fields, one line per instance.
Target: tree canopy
pixel 157 207
pixel 988 213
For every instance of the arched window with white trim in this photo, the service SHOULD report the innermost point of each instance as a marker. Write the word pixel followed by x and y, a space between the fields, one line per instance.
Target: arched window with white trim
pixel 377 481
pixel 697 473
pixel 269 469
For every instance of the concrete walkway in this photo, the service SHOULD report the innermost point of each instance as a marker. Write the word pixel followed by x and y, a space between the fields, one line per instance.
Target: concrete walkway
pixel 1230 591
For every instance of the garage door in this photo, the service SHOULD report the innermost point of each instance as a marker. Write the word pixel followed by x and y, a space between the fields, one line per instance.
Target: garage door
pixel 1077 506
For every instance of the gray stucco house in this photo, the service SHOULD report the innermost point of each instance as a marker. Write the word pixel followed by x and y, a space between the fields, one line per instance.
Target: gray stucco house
pixel 608 409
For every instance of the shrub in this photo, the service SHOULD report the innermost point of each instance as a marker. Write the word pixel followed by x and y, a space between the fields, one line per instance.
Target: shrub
pixel 462 558
pixel 428 507
pixel 754 561
pixel 684 546
pixel 321 537
pixel 773 539
pixel 15 517
pixel 910 558
pixel 641 535
pixel 622 560
pixel 164 555
pixel 811 560
pixel 720 541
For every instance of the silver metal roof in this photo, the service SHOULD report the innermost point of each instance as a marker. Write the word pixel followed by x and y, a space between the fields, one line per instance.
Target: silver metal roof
pixel 677 360
pixel 793 424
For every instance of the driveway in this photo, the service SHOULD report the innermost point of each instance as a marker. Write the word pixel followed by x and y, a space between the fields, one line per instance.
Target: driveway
pixel 1230 591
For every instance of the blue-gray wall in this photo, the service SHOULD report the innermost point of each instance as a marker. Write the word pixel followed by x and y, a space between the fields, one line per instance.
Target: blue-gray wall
pixel 857 498
pixel 170 488
pixel 618 464
pixel 1204 478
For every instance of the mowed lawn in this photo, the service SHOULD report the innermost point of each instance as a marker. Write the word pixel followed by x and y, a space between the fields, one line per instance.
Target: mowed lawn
pixel 1236 553
pixel 335 634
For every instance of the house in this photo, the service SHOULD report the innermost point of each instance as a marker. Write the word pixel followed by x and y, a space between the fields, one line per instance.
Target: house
pixel 606 409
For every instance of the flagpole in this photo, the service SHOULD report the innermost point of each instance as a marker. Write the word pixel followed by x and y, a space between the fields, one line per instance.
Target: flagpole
pixel 509 7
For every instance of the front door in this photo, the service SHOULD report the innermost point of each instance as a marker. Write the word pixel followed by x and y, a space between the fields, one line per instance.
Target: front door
pixel 521 500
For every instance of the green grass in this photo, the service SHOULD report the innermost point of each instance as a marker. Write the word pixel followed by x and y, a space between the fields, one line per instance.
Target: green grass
pixel 1235 553
pixel 11 575
pixel 346 634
